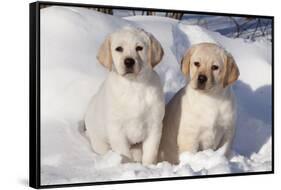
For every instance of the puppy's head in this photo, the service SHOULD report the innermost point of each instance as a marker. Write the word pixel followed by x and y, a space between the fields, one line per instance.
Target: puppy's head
pixel 130 52
pixel 209 66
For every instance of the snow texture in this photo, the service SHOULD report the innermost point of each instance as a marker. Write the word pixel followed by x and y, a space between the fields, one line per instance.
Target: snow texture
pixel 71 74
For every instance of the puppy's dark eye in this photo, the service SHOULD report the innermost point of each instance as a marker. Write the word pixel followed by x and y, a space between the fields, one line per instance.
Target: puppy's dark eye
pixel 139 48
pixel 197 64
pixel 119 48
pixel 215 67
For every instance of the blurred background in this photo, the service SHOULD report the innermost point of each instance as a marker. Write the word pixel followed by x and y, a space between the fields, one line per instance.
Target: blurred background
pixel 249 28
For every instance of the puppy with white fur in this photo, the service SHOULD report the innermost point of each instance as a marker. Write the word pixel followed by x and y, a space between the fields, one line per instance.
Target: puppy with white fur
pixel 202 114
pixel 126 113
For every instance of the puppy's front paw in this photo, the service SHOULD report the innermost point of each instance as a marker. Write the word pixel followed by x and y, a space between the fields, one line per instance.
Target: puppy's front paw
pixel 149 161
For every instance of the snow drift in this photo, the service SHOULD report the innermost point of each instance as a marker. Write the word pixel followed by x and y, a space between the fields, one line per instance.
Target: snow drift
pixel 71 74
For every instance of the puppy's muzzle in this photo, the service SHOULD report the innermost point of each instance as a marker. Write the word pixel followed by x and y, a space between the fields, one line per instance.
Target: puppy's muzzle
pixel 202 79
pixel 129 63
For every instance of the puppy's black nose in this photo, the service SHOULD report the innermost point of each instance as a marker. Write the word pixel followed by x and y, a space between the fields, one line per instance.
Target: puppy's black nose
pixel 129 62
pixel 202 79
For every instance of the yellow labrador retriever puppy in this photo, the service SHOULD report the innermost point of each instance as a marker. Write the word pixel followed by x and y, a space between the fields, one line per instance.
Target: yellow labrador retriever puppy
pixel 127 112
pixel 202 114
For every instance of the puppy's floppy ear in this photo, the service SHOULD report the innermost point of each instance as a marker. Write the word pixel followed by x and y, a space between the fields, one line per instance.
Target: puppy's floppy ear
pixel 155 51
pixel 185 62
pixel 104 54
pixel 231 73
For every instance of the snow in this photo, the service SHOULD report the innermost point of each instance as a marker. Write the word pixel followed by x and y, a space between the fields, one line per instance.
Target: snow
pixel 71 74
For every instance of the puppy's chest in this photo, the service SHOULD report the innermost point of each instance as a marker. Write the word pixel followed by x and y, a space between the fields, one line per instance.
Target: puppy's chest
pixel 137 116
pixel 133 109
pixel 209 115
pixel 134 103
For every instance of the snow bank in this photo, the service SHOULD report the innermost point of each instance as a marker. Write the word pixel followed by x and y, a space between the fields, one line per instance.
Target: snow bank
pixel 70 75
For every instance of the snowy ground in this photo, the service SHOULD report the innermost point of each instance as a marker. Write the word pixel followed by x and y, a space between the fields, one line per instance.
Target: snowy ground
pixel 70 75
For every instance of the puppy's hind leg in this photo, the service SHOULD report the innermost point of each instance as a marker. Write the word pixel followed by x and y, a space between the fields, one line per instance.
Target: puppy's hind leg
pixel 98 145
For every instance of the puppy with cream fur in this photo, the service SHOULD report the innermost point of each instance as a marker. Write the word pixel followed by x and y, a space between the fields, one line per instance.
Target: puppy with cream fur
pixel 202 114
pixel 126 113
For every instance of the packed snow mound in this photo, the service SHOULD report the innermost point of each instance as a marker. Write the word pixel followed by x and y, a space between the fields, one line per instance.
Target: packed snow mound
pixel 71 75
